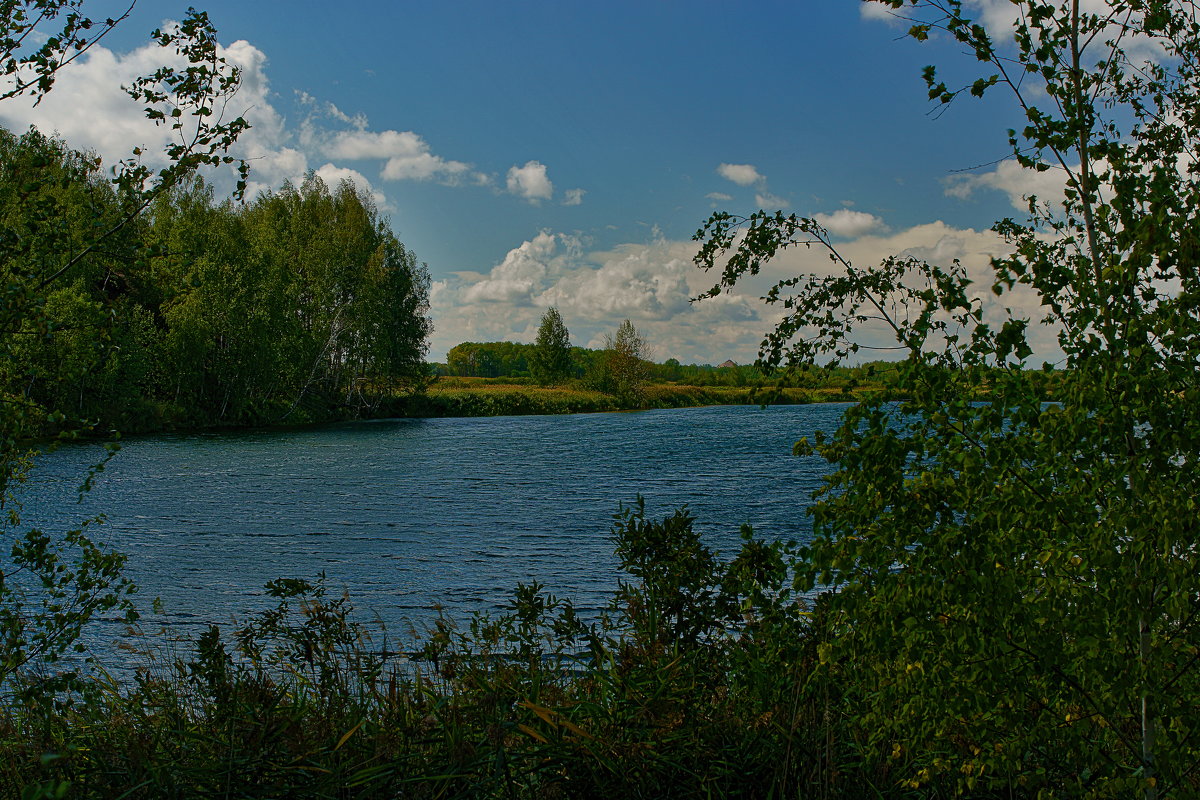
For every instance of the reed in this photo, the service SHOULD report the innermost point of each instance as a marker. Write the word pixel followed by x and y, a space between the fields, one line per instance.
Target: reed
pixel 703 679
pixel 488 397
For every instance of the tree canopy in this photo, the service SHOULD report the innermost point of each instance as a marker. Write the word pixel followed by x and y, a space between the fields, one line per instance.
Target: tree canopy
pixel 627 362
pixel 550 361
pixel 1016 583
pixel 133 299
pixel 68 249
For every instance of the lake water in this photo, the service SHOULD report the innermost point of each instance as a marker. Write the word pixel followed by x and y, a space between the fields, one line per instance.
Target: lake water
pixel 409 515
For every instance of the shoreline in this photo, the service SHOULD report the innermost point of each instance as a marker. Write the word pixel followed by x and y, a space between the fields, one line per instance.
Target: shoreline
pixel 483 397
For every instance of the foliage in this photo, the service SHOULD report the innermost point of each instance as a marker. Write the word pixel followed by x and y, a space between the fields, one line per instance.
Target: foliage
pixel 31 62
pixel 695 683
pixel 291 307
pixel 550 360
pixel 512 360
pixel 489 359
pixel 481 397
pixel 299 305
pixel 1016 582
pixel 625 368
pixel 64 236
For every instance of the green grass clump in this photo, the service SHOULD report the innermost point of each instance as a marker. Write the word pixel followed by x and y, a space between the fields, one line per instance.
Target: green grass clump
pixel 489 397
pixel 703 679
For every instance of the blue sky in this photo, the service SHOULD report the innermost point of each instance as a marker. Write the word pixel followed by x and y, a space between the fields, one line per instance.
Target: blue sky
pixel 564 152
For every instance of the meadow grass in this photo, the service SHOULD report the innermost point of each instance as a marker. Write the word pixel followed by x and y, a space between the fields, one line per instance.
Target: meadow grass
pixel 701 680
pixel 485 397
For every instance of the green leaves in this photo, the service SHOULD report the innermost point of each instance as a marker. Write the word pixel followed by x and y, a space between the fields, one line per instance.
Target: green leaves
pixel 73 333
pixel 626 367
pixel 33 67
pixel 1018 581
pixel 550 360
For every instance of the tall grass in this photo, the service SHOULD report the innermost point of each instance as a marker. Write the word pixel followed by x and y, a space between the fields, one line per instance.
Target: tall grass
pixel 459 397
pixel 703 679
pixel 484 397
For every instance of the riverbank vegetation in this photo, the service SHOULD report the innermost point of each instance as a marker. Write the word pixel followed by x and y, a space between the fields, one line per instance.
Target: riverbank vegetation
pixel 1000 598
pixel 698 682
pixel 1017 582
pixel 515 360
pixel 199 312
pixel 489 397
pixel 503 397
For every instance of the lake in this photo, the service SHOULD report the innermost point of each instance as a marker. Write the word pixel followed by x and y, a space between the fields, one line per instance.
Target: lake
pixel 410 515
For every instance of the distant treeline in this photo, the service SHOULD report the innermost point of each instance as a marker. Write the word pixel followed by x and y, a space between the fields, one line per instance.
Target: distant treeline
pixel 512 360
pixel 200 312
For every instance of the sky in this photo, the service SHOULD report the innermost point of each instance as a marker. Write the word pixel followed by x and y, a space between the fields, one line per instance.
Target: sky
pixel 564 153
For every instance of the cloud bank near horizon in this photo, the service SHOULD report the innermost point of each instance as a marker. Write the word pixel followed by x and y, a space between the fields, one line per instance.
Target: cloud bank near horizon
pixel 653 283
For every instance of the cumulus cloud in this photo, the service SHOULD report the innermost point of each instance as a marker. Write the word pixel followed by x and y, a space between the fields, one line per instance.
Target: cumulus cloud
pixel 1014 180
pixel 573 197
pixel 747 175
pixel 850 224
pixel 90 111
pixel 996 14
pixel 999 16
pixel 651 283
pixel 520 276
pixel 530 182
pixel 741 174
pixel 333 175
pixel 768 200
pixel 936 243
pixel 407 156
pixel 875 11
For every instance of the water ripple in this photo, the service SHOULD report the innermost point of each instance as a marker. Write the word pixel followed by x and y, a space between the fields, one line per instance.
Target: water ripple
pixel 410 515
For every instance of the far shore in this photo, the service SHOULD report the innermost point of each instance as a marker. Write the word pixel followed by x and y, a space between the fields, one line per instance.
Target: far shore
pixel 486 397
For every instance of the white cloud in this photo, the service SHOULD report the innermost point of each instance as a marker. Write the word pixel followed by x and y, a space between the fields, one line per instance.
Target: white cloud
pixel 936 243
pixel 651 283
pixel 870 10
pixel 850 224
pixel 1014 180
pixel 573 197
pixel 407 155
pixel 519 276
pixel 90 111
pixel 767 200
pixel 334 175
pixel 741 174
pixel 748 175
pixel 358 120
pixel 530 182
pixel 1000 17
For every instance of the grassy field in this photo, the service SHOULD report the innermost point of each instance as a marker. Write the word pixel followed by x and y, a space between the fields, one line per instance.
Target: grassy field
pixel 487 397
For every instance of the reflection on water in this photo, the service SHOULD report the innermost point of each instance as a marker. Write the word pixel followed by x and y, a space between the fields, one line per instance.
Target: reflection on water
pixel 413 514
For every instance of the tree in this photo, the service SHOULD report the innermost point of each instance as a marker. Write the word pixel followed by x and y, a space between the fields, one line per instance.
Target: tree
pixel 550 360
pixel 32 62
pixel 627 365
pixel 51 584
pixel 1016 584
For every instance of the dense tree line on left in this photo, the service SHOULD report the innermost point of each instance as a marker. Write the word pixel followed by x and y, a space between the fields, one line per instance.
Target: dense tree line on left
pixel 300 305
